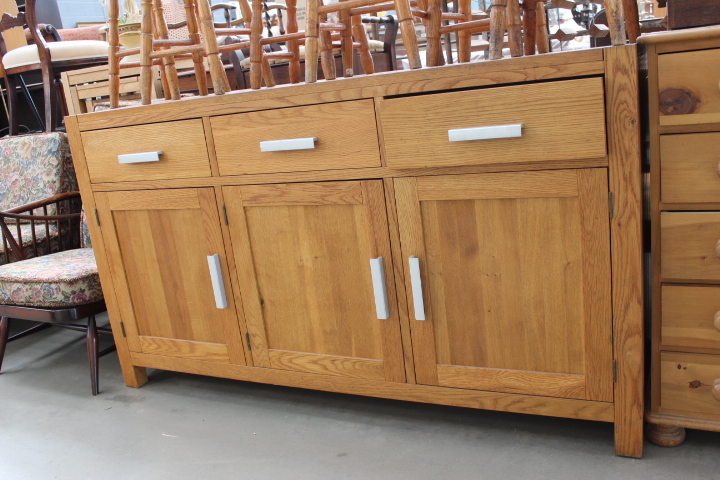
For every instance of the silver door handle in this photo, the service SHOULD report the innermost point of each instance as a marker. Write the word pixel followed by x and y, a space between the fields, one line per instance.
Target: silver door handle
pixel 289 144
pixel 416 284
pixel 378 278
pixel 217 281
pixel 485 133
pixel 142 157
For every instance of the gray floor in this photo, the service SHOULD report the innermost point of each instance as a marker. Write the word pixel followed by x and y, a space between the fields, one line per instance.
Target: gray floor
pixel 190 427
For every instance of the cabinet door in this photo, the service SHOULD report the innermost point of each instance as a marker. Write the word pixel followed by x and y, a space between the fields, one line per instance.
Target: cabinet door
pixel 514 280
pixel 303 254
pixel 158 244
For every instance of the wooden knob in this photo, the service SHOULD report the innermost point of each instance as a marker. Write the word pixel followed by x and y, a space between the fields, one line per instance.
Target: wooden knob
pixel 716 321
pixel 716 389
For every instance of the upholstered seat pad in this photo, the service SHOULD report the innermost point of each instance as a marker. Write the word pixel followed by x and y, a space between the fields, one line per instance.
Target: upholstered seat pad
pixel 71 50
pixel 57 280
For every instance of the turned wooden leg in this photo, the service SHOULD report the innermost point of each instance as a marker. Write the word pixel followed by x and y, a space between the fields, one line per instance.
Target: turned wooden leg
pixel 4 333
pixel 665 435
pixel 93 348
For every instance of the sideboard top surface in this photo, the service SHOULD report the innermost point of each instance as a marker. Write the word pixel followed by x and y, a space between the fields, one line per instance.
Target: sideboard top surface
pixel 457 76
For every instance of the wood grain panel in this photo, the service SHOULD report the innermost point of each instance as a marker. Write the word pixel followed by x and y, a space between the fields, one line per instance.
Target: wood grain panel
pixel 512 381
pixel 528 404
pixel 424 141
pixel 345 131
pixel 212 352
pixel 687 385
pixel 186 199
pixel 689 246
pixel 690 168
pixel 688 316
pixel 328 364
pixel 689 87
pixel 164 271
pixel 595 232
pixel 501 185
pixel 501 275
pixel 623 129
pixel 305 276
pixel 325 193
pixel 182 143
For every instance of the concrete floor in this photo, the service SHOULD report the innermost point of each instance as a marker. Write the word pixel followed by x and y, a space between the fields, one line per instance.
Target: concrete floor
pixel 182 426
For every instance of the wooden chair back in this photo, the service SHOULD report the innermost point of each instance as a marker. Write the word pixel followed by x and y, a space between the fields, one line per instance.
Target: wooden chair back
pixel 12 37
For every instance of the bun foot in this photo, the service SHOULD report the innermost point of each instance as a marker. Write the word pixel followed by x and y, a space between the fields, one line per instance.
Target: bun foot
pixel 665 435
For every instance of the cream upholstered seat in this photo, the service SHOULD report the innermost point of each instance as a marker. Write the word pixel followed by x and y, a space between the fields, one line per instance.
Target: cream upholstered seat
pixel 70 50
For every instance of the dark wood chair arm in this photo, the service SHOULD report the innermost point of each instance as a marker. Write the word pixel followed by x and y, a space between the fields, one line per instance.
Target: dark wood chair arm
pixel 24 215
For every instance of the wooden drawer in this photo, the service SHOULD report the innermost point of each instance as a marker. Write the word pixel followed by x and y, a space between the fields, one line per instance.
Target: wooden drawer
pixel 416 128
pixel 687 385
pixel 688 316
pixel 688 87
pixel 182 143
pixel 689 246
pixel 690 168
pixel 346 135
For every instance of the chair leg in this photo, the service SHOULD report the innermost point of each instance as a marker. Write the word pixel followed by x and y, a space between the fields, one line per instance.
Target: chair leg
pixel 13 105
pixel 93 347
pixel 4 333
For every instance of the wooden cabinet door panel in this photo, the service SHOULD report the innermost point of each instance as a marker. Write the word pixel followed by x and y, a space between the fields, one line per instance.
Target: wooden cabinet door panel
pixel 515 273
pixel 160 242
pixel 303 257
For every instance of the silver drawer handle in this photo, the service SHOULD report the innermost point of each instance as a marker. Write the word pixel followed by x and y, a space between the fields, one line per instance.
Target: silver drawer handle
pixel 140 157
pixel 485 133
pixel 289 144
pixel 217 281
pixel 416 284
pixel 378 278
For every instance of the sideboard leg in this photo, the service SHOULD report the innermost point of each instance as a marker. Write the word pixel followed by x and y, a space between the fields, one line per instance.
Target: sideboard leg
pixel 665 435
pixel 135 377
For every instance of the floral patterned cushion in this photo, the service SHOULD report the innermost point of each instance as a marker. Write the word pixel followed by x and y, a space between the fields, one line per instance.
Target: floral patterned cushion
pixel 34 167
pixel 57 280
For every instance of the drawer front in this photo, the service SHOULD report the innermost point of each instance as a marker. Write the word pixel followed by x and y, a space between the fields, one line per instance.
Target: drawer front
pixel 691 316
pixel 416 128
pixel 689 246
pixel 346 134
pixel 688 385
pixel 688 87
pixel 183 146
pixel 690 168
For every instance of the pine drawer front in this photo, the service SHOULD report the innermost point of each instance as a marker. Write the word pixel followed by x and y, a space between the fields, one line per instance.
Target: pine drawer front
pixel 688 87
pixel 417 129
pixel 182 143
pixel 690 384
pixel 691 316
pixel 690 168
pixel 690 246
pixel 345 136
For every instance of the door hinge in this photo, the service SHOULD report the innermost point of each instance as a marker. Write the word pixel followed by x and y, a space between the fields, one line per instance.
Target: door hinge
pixel 97 218
pixel 225 214
pixel 122 329
pixel 247 340
pixel 611 204
pixel 614 371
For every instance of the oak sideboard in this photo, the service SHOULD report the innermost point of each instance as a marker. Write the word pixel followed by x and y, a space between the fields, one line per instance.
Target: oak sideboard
pixel 465 235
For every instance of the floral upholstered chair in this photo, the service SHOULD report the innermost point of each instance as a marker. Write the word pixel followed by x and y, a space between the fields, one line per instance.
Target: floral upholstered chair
pixel 32 168
pixel 57 289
